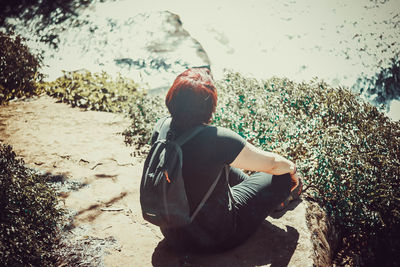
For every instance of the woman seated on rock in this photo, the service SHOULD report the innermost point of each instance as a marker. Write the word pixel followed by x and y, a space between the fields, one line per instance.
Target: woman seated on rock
pixel 233 211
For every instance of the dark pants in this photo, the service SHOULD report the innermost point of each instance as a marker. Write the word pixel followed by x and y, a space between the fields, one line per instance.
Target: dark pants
pixel 256 196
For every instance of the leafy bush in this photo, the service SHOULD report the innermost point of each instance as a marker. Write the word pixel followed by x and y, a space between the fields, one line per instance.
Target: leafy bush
pixel 18 69
pixel 147 110
pixel 41 12
pixel 28 214
pixel 384 86
pixel 347 151
pixel 97 91
pixel 28 9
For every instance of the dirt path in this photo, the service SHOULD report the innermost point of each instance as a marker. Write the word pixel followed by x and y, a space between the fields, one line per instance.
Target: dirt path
pixel 85 146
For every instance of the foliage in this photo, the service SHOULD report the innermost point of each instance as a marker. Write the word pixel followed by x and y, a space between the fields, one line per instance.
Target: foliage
pixel 146 111
pixel 347 151
pixel 49 12
pixel 28 214
pixel 18 69
pixel 99 91
pixel 94 91
pixel 28 9
pixel 384 86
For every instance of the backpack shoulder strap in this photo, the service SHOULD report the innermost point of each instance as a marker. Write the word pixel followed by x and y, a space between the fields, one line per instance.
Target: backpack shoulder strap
pixel 210 190
pixel 159 125
pixel 189 134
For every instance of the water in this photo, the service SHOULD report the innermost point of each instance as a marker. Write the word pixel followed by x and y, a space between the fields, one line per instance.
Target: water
pixel 337 41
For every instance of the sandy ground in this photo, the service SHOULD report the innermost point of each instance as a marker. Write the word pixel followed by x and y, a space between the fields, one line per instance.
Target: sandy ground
pixel 86 147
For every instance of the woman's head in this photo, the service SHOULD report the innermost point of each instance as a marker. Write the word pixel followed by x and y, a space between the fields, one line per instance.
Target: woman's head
pixel 192 98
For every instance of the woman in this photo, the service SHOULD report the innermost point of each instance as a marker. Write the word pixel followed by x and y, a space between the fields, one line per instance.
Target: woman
pixel 228 217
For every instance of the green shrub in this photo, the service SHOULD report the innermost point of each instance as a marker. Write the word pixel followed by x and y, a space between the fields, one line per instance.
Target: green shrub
pixel 29 214
pixel 98 91
pixel 46 9
pixel 347 151
pixel 94 91
pixel 144 113
pixel 384 86
pixel 43 13
pixel 18 69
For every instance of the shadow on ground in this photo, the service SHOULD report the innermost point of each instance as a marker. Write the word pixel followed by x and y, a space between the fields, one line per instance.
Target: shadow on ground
pixel 270 245
pixel 93 211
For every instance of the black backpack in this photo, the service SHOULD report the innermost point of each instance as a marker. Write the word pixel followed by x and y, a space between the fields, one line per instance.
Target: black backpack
pixel 162 191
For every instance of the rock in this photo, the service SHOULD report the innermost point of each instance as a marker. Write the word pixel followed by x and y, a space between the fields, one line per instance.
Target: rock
pixel 150 47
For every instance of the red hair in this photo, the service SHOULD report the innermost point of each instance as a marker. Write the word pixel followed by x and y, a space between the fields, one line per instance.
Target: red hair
pixel 192 98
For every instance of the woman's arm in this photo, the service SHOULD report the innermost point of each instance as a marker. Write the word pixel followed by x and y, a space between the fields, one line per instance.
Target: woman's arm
pixel 254 159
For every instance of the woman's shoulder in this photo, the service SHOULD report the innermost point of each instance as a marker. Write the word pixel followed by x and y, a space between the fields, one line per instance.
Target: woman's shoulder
pixel 223 132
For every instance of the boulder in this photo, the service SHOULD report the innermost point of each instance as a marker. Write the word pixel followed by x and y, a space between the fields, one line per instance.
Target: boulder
pixel 151 47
